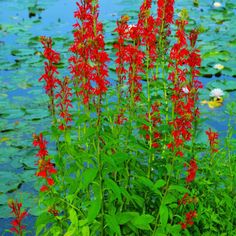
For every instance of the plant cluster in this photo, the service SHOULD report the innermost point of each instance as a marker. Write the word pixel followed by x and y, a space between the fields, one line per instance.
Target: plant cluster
pixel 127 160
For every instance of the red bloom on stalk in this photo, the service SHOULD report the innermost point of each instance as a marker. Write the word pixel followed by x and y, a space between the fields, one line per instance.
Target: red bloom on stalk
pixel 212 137
pixel 147 30
pixel 42 144
pixel 45 167
pixel 88 64
pixel 165 11
pixel 188 219
pixel 154 118
pixel 192 169
pixel 17 226
pixel 129 56
pixel 53 57
pixel 185 90
pixel 65 102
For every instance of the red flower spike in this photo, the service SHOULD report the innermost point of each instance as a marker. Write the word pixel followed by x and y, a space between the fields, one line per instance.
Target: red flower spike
pixel 184 95
pixel 212 137
pixel 44 188
pixel 88 64
pixel 50 70
pixel 19 216
pixel 155 145
pixel 165 11
pixel 45 167
pixel 65 103
pixel 189 216
pixel 192 170
pixel 50 181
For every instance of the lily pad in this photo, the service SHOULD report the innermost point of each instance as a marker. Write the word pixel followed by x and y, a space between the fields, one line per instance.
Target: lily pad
pixel 9 181
pixel 227 85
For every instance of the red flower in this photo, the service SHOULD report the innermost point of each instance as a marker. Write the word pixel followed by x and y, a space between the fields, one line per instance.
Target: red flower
pixel 44 188
pixel 212 137
pixel 88 64
pixel 19 216
pixel 41 143
pixel 50 69
pixel 165 11
pixel 65 102
pixel 192 170
pixel 45 167
pixel 188 219
pixel 155 145
pixel 50 181
pixel 183 225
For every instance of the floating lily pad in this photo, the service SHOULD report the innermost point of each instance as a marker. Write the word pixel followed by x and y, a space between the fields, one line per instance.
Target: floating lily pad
pixel 37 114
pixel 9 181
pixel 5 211
pixel 227 85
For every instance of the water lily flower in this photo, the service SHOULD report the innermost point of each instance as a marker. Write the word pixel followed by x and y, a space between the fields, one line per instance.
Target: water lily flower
pixel 217 4
pixel 217 93
pixel 218 67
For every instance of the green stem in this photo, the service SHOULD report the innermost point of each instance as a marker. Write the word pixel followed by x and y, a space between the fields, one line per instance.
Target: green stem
pixel 100 168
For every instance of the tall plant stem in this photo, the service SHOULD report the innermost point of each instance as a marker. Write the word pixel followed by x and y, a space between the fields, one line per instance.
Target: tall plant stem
pixel 164 196
pixel 151 156
pixel 100 166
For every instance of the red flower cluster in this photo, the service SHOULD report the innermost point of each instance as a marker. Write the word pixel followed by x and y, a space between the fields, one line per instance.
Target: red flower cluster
pixel 123 31
pixel 129 56
pixel 65 102
pixel 212 137
pixel 46 168
pixel 189 219
pixel 154 119
pixel 184 94
pixel 50 70
pixel 88 64
pixel 17 226
pixel 192 169
pixel 147 30
pixel 165 11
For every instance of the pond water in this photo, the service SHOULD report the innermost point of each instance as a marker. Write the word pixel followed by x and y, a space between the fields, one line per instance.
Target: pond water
pixel 22 99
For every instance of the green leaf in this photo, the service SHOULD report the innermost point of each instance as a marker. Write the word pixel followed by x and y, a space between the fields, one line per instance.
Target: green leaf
pixel 94 209
pixel 138 199
pixel 88 176
pixel 112 223
pixel 110 184
pixel 163 215
pixel 146 182
pixel 85 231
pixel 73 228
pixel 169 199
pixel 143 221
pixel 159 183
pixel 125 217
pixel 42 221
pixel 73 217
pixel 178 188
